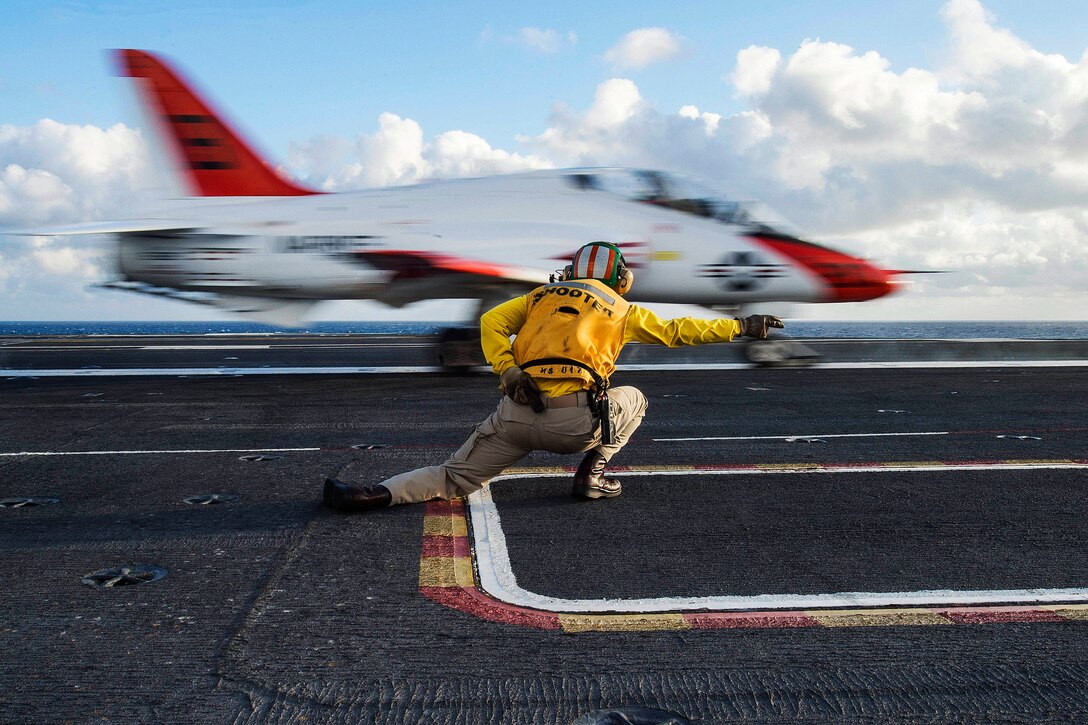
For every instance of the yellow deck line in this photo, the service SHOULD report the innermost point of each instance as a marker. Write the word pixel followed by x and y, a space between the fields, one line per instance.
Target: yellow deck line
pixel 878 618
pixel 445 571
pixel 622 622
pixel 449 571
pixel 446 525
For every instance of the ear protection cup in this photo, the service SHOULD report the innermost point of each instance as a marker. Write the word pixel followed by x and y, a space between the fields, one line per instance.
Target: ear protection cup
pixel 624 280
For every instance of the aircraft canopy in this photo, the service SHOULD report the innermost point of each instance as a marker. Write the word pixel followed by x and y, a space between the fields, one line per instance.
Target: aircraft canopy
pixel 682 193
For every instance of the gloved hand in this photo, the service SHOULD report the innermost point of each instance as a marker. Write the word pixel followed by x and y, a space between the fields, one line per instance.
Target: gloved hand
pixel 521 388
pixel 758 326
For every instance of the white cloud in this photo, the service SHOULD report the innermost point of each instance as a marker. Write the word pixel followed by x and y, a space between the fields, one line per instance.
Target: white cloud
pixel 545 41
pixel 51 172
pixel 615 102
pixel 458 153
pixel 54 173
pixel 601 133
pixel 886 146
pixel 644 47
pixel 979 166
pixel 398 153
pixel 710 120
pixel 990 252
pixel 755 70
pixel 394 154
pixel 983 51
pixel 962 167
pixel 31 193
pixel 65 261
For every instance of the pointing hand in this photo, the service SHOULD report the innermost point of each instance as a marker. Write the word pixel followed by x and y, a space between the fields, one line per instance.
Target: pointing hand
pixel 758 326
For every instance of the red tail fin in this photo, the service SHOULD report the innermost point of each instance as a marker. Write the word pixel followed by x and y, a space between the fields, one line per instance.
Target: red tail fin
pixel 216 161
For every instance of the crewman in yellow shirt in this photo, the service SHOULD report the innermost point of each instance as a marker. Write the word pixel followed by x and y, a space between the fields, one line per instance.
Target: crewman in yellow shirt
pixel 555 378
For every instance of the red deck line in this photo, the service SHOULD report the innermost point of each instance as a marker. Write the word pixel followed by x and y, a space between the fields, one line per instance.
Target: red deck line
pixel 472 601
pixel 475 602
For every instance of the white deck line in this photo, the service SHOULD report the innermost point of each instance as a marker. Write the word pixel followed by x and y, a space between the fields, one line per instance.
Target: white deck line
pixel 399 369
pixel 797 437
pixel 498 580
pixel 958 364
pixel 153 452
pixel 201 347
pixel 278 345
pixel 884 364
pixel 165 372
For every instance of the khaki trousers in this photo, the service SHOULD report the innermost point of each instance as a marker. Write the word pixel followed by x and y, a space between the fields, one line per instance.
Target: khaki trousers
pixel 511 433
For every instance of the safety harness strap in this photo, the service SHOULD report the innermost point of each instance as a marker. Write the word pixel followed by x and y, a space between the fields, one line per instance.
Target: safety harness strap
pixel 599 399
pixel 598 381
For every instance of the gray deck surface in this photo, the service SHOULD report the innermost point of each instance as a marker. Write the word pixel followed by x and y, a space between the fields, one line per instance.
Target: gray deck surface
pixel 277 610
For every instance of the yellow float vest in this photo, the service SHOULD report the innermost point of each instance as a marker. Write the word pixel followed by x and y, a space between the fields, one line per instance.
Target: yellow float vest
pixel 580 320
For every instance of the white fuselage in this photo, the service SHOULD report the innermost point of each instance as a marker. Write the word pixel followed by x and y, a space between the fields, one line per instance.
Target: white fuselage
pixel 324 246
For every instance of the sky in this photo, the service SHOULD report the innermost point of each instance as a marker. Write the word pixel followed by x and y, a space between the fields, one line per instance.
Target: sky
pixel 949 135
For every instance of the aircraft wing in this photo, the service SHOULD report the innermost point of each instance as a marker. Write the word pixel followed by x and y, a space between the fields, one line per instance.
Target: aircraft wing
pixel 420 275
pixel 416 264
pixel 269 310
pixel 164 226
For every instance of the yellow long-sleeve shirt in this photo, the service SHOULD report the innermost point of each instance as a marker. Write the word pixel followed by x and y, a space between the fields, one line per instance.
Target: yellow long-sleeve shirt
pixel 642 325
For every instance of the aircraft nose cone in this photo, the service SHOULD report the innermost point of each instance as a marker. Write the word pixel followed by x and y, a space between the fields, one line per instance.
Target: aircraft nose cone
pixel 863 281
pixel 844 278
pixel 849 279
pixel 889 283
pixel 882 282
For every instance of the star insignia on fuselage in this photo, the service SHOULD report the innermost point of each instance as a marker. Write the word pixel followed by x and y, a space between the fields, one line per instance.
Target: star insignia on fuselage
pixel 742 271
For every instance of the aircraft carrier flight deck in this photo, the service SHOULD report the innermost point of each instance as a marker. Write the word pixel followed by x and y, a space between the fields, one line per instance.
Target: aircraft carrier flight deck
pixel 895 534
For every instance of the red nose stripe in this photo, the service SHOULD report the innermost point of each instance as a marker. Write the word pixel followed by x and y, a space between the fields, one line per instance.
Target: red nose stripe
pixel 848 279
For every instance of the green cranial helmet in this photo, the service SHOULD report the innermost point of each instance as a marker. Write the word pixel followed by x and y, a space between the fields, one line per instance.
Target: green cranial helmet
pixel 598 260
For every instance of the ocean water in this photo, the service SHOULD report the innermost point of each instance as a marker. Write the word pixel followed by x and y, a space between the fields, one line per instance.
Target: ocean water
pixel 799 328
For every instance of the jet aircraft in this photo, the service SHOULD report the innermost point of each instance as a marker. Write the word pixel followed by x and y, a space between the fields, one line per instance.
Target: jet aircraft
pixel 262 246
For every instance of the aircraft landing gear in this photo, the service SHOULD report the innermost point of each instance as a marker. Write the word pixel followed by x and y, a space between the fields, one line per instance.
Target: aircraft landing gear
pixel 780 352
pixel 459 349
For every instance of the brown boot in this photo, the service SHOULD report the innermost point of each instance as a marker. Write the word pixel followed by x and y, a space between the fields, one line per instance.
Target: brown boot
pixel 345 497
pixel 589 481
